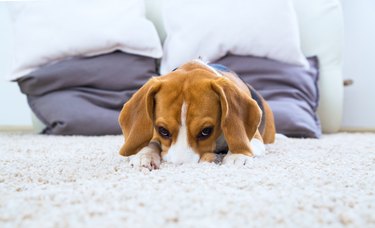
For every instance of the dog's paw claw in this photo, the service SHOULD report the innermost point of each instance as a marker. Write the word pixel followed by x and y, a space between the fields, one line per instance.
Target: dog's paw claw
pixel 145 158
pixel 237 159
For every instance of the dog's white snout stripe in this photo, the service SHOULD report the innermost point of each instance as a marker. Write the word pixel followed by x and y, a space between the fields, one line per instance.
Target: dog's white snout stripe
pixel 180 152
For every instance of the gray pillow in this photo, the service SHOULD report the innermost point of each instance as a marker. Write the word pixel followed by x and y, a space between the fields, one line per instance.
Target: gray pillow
pixel 291 91
pixel 84 96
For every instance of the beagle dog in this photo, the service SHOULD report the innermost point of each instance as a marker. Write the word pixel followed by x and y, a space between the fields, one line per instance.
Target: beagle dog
pixel 192 114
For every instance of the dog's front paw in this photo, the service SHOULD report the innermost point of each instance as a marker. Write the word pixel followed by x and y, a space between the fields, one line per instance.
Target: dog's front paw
pixel 237 159
pixel 146 158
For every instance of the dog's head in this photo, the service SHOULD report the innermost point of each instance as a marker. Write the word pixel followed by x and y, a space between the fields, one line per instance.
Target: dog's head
pixel 186 111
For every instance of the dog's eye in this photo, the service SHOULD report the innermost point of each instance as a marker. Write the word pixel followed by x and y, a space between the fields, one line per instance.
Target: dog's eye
pixel 205 133
pixel 164 132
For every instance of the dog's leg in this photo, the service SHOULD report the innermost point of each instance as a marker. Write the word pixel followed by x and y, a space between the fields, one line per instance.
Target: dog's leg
pixel 148 157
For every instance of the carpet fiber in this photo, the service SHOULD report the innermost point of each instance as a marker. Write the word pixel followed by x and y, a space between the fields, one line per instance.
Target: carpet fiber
pixel 55 181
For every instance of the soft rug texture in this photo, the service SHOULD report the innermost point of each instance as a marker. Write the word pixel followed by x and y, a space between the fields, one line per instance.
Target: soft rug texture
pixel 51 181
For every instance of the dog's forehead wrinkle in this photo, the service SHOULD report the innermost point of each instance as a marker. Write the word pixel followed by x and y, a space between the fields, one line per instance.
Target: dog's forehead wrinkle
pixel 201 95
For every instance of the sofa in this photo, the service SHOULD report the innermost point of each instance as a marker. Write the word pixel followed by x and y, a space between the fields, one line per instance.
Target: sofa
pixel 305 92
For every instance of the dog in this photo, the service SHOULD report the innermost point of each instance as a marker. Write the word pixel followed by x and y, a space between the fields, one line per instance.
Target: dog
pixel 191 114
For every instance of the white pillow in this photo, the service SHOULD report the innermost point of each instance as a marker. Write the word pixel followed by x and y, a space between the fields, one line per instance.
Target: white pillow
pixel 49 31
pixel 212 28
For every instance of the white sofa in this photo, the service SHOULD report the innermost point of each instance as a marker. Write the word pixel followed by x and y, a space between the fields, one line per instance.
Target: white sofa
pixel 321 33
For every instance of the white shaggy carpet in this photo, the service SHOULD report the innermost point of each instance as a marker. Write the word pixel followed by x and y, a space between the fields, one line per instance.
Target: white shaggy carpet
pixel 49 181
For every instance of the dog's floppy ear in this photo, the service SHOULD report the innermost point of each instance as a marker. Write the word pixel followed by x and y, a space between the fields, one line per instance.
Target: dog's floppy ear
pixel 240 115
pixel 136 118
